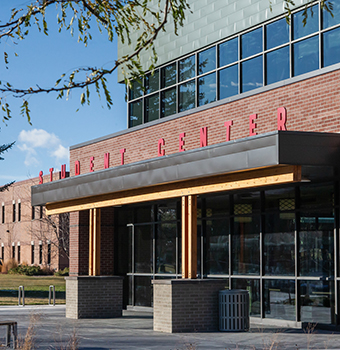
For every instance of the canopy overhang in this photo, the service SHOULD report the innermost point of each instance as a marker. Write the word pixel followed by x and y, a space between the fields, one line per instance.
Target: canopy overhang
pixel 265 159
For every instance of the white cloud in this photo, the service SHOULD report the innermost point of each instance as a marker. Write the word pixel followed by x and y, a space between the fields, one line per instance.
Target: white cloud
pixel 34 142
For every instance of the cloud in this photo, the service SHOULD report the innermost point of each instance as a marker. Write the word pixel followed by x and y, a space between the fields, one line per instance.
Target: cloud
pixel 35 142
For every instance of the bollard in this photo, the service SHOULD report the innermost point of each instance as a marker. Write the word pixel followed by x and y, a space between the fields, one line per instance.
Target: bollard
pixel 51 289
pixel 21 296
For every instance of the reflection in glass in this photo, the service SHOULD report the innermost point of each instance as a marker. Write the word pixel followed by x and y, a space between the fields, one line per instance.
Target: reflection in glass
pixel 279 299
pixel 151 108
pixel 217 235
pixel 152 82
pixel 144 214
pixel 251 43
pixel 316 245
pixel 301 29
pixel 143 291
pixel 124 259
pixel 166 248
pixel 135 90
pixel 253 286
pixel 277 65
pixel 327 19
pixel 167 211
pixel 187 93
pixel 306 56
pixel 168 75
pixel 252 76
pixel 168 102
pixel 143 248
pixel 279 244
pixel 317 301
pixel 228 82
pixel 135 113
pixel 228 52
pixel 313 196
pixel 277 33
pixel 331 47
pixel 207 60
pixel 187 68
pixel 217 205
pixel 207 89
pixel 246 245
pixel 246 202
pixel 282 199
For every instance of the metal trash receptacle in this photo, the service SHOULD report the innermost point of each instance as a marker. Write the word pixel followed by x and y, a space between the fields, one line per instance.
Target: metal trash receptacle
pixel 233 310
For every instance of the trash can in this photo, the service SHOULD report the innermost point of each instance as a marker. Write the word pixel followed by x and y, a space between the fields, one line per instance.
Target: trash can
pixel 233 310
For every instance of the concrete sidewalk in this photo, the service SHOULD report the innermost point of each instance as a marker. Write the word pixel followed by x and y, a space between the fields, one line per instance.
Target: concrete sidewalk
pixel 134 331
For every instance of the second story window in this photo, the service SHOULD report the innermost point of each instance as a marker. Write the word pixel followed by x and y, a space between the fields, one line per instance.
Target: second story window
pixel 3 213
pixel 14 213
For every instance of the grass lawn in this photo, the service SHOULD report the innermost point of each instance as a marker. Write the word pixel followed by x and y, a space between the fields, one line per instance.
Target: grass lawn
pixel 36 289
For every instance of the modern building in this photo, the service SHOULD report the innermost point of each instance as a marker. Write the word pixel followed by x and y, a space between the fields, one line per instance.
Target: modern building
pixel 228 169
pixel 27 235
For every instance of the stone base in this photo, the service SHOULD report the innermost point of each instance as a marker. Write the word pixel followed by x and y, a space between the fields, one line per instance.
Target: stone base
pixel 94 296
pixel 185 305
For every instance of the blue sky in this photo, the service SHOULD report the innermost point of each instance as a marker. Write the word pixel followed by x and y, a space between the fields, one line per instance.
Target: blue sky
pixel 56 124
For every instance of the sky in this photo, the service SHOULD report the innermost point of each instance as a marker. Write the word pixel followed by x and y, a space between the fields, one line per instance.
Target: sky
pixel 56 124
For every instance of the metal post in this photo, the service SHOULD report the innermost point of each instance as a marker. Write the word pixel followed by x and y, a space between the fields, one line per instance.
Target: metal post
pixel 21 296
pixel 51 289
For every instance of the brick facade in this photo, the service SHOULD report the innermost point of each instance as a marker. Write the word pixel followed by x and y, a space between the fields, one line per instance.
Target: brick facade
pixel 308 109
pixel 94 297
pixel 21 228
pixel 184 305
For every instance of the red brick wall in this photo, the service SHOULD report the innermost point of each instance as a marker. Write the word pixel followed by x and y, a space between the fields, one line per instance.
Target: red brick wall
pixel 312 105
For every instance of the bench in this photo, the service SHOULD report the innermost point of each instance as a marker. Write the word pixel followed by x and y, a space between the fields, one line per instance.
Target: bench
pixel 11 325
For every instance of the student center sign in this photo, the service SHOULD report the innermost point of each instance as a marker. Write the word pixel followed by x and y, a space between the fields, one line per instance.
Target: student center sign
pixel 226 177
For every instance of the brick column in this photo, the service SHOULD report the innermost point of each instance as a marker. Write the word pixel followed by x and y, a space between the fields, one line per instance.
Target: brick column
pixel 79 243
pixel 186 305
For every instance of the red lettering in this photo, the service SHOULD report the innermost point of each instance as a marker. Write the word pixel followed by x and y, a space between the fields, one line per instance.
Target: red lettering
pixel 77 167
pixel 161 152
pixel 252 124
pixel 203 137
pixel 51 174
pixel 281 118
pixel 181 142
pixel 122 151
pixel 228 125
pixel 91 164
pixel 63 171
pixel 106 160
pixel 41 180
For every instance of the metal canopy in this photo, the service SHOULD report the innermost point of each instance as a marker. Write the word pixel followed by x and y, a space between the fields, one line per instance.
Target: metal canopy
pixel 275 148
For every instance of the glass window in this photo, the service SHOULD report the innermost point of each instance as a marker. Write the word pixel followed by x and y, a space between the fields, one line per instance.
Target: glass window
pixel 246 203
pixel 306 56
pixel 301 28
pixel 228 82
pixel 169 102
pixel 144 214
pixel 253 286
pixel 277 33
pixel 217 205
pixel 169 74
pixel 166 248
pixel 152 82
pixel 217 243
pixel 167 212
pixel 316 249
pixel 143 291
pixel 279 299
pixel 135 90
pixel 143 249
pixel 207 60
pixel 246 245
pixel 327 19
pixel 251 43
pixel 187 94
pixel 317 301
pixel 252 74
pixel 187 68
pixel 207 89
pixel 331 47
pixel 316 196
pixel 277 65
pixel 282 199
pixel 228 52
pixel 151 108
pixel 135 113
pixel 279 244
